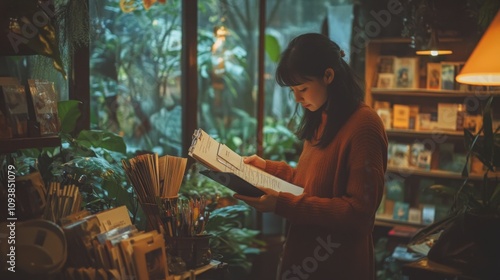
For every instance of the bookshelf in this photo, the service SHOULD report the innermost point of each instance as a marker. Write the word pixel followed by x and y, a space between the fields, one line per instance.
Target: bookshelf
pixel 410 172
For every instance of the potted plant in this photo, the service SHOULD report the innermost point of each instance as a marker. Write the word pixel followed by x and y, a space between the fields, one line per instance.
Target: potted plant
pixel 469 236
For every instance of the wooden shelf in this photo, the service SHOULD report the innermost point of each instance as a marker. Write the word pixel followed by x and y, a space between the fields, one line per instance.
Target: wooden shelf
pixel 13 144
pixel 410 133
pixel 381 220
pixel 420 92
pixel 408 171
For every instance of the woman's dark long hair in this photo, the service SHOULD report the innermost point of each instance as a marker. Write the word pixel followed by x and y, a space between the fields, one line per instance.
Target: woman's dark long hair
pixel 308 56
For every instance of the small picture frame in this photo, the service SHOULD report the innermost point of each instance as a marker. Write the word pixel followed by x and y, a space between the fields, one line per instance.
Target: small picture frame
pixel 385 80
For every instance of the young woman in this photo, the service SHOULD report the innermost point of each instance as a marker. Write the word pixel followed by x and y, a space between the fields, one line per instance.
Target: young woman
pixel 341 167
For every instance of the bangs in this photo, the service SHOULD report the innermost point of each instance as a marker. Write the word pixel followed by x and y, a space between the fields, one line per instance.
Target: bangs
pixel 287 74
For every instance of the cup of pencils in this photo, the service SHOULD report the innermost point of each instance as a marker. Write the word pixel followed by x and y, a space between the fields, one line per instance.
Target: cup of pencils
pixel 185 236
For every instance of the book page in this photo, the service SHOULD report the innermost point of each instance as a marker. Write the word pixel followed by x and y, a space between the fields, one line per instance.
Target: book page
pixel 219 157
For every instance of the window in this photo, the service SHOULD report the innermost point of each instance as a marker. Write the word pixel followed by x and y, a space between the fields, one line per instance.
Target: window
pixel 135 62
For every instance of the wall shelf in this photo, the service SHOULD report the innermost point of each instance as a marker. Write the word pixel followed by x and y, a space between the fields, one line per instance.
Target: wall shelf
pixel 383 220
pixel 408 171
pixel 13 144
pixel 425 134
pixel 419 92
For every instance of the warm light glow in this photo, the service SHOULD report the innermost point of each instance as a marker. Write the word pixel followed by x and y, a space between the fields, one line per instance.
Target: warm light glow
pixel 483 66
pixel 433 48
pixel 433 52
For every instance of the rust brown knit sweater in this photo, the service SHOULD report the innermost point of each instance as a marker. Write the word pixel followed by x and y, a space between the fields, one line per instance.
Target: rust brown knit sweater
pixel 331 223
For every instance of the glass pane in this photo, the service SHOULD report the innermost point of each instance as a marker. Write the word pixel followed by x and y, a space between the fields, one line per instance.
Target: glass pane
pixel 135 73
pixel 284 22
pixel 227 61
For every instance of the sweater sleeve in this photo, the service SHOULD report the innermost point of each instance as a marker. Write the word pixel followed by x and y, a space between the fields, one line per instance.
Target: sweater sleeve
pixel 280 169
pixel 354 211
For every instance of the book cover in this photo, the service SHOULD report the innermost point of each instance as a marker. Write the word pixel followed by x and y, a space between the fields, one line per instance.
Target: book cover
pixel 447 116
pixel 401 211
pixel 434 75
pixel 406 72
pixel 385 116
pixel 386 64
pixel 400 116
pixel 415 216
pixel 399 155
pixel 424 159
pixel 385 80
pixel 413 117
pixel 448 76
pixel 395 189
pixel 415 150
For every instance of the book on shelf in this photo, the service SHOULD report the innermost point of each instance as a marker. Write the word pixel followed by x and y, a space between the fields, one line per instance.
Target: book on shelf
pixel 385 80
pixel 415 215
pixel 447 76
pixel 385 116
pixel 413 117
pixel 385 72
pixel 398 155
pixel 434 75
pixel 423 121
pixel 473 123
pixel 400 116
pixel 401 211
pixel 225 164
pixel 449 70
pixel 415 149
pixel 406 72
pixel 447 116
pixel 386 64
pixel 395 189
pixel 424 160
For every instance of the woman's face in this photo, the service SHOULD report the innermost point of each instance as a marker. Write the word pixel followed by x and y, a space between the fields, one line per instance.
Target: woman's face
pixel 312 94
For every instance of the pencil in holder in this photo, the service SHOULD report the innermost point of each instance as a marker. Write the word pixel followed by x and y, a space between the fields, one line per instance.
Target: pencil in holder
pixel 152 213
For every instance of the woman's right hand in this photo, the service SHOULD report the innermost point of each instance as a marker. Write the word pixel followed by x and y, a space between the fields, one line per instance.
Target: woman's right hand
pixel 255 161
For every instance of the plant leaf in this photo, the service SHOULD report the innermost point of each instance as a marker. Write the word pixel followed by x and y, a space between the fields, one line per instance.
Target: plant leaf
pixel 272 47
pixel 69 113
pixel 103 139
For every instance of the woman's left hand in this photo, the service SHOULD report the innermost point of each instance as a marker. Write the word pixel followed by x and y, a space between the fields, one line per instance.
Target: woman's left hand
pixel 264 203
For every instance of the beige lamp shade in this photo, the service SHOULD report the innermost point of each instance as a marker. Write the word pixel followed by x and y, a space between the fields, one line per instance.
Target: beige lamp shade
pixel 483 66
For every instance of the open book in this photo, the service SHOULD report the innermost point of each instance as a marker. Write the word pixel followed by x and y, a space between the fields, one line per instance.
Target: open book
pixel 223 162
